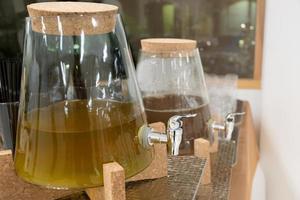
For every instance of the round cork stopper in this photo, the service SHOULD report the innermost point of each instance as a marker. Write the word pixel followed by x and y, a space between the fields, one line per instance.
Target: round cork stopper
pixel 72 18
pixel 167 45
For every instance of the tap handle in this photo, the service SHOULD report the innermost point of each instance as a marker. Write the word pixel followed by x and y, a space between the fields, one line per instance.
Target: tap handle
pixel 231 116
pixel 230 123
pixel 175 121
pixel 147 136
pixel 175 132
pixel 227 126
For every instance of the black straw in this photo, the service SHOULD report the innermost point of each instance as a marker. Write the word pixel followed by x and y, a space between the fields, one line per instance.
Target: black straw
pixel 10 78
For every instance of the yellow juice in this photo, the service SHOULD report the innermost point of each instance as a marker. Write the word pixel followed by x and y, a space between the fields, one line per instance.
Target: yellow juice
pixel 64 145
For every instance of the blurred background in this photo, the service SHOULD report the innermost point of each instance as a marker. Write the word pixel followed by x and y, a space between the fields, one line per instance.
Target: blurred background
pixel 224 30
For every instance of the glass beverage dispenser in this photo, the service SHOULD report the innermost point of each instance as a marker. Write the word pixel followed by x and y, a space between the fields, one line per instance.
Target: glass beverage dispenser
pixel 79 106
pixel 171 80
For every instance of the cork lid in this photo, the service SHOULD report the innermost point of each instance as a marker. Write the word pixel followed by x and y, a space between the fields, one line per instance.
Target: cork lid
pixel 71 18
pixel 166 45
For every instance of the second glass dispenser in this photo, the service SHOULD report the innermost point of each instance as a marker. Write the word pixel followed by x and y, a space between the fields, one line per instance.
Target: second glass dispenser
pixel 171 80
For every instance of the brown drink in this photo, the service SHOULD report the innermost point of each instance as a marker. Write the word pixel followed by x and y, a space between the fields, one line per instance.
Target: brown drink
pixel 161 108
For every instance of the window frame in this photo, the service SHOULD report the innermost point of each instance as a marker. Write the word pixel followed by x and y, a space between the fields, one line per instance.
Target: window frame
pixel 255 82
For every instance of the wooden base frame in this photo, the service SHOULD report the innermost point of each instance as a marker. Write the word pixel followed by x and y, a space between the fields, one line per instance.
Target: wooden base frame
pixel 12 187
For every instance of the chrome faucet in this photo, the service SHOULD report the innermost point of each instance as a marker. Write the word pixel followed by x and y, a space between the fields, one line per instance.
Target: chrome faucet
pixel 227 127
pixel 175 131
pixel 147 136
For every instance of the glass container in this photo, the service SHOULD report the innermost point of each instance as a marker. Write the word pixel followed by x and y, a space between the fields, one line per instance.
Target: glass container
pixel 171 80
pixel 80 106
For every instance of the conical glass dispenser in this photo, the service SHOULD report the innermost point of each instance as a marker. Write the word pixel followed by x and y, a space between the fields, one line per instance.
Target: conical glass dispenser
pixel 171 80
pixel 79 106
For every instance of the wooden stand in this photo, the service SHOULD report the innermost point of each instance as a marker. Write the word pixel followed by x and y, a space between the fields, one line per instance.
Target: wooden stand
pixel 203 149
pixel 113 181
pixel 12 187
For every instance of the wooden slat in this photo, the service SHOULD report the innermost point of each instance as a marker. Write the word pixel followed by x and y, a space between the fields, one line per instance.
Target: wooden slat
pixel 259 38
pixel 201 150
pixel 249 84
pixel 255 83
pixel 114 181
pixel 247 158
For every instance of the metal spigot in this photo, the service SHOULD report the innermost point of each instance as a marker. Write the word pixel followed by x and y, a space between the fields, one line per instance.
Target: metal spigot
pixel 147 136
pixel 175 131
pixel 227 126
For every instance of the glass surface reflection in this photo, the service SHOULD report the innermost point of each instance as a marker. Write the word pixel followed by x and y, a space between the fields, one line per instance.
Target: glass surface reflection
pixel 80 106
